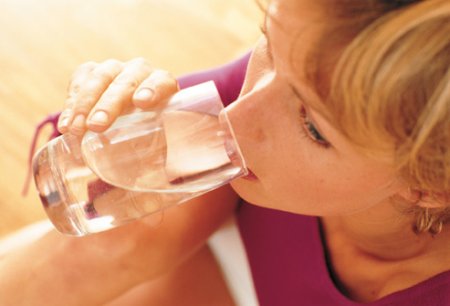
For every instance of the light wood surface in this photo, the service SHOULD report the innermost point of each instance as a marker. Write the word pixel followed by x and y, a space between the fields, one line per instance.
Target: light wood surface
pixel 42 42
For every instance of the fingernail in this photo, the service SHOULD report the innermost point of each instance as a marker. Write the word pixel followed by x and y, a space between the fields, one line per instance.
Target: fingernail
pixel 99 118
pixel 63 123
pixel 145 94
pixel 78 124
pixel 64 119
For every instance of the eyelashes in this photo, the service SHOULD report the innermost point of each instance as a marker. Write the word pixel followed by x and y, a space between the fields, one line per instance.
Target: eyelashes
pixel 311 131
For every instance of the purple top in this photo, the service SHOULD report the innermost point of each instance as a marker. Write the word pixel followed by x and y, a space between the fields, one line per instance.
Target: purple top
pixel 285 250
pixel 287 260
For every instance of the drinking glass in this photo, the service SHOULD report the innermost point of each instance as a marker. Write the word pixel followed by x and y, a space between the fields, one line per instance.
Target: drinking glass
pixel 145 162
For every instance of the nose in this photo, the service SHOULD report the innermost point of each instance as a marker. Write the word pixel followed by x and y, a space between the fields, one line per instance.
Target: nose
pixel 248 113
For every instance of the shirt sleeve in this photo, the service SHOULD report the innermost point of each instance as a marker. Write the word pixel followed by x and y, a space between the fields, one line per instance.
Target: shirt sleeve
pixel 228 78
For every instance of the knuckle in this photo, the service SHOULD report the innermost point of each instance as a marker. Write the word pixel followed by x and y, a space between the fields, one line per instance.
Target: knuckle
pixel 167 80
pixel 73 88
pixel 103 75
pixel 140 66
pixel 112 62
pixel 87 65
pixel 126 81
pixel 139 61
pixel 92 86
pixel 165 76
pixel 66 113
pixel 69 103
pixel 161 73
pixel 80 74
pixel 113 66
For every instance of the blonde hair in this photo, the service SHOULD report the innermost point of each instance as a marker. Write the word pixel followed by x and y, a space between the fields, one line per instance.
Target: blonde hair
pixel 390 90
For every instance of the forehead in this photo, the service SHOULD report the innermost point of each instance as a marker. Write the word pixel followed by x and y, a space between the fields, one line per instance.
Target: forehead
pixel 294 27
pixel 289 20
pixel 296 6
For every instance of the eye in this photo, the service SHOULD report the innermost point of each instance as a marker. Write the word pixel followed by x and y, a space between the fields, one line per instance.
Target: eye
pixel 311 131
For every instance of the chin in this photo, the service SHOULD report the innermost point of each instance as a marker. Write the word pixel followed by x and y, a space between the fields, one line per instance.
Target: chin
pixel 247 192
pixel 250 193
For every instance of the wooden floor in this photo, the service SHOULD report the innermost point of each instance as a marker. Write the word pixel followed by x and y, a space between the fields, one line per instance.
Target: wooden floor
pixel 42 42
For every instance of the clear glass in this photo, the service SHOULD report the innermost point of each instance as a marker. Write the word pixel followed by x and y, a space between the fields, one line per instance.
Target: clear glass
pixel 145 162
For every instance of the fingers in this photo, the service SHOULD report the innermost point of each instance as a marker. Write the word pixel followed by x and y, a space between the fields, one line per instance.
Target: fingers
pixel 118 95
pixel 87 85
pixel 92 89
pixel 99 93
pixel 78 78
pixel 156 88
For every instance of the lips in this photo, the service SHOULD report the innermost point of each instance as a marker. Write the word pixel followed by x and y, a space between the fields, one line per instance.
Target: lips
pixel 250 176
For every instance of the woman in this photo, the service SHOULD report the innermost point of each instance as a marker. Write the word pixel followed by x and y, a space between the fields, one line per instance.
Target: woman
pixel 343 119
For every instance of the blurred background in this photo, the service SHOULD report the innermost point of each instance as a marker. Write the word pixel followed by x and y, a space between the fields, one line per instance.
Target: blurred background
pixel 42 43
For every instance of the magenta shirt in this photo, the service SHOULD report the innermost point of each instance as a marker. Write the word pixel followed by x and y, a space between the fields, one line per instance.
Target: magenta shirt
pixel 285 251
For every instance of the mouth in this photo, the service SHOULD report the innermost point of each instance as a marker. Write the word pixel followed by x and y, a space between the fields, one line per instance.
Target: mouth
pixel 250 176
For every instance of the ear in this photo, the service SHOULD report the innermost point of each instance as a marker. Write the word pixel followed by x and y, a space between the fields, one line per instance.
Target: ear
pixel 410 195
pixel 420 198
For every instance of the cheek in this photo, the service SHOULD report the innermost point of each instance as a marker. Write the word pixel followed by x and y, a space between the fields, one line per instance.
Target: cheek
pixel 324 185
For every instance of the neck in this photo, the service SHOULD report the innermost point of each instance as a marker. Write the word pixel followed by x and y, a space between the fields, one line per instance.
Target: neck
pixel 376 252
pixel 382 232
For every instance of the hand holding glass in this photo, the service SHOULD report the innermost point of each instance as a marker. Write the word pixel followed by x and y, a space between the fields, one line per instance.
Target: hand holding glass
pixel 145 162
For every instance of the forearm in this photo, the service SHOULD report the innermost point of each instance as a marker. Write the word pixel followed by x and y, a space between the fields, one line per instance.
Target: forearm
pixel 197 281
pixel 60 270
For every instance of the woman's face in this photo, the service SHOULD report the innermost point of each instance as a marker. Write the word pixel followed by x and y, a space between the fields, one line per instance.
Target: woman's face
pixel 301 163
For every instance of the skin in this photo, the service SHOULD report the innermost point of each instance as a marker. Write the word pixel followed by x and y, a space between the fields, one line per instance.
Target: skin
pixel 370 245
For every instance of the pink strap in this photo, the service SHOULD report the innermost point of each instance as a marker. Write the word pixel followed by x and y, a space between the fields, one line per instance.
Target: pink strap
pixel 53 119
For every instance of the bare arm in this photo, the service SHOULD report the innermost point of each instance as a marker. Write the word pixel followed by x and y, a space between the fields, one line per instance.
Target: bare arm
pixel 96 269
pixel 196 282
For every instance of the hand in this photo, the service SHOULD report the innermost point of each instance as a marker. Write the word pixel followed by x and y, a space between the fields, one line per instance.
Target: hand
pixel 99 92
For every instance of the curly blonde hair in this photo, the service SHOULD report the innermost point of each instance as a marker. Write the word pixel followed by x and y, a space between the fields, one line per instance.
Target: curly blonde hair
pixel 390 89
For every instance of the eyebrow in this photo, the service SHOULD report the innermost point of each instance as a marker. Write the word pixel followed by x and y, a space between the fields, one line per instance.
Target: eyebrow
pixel 296 92
pixel 263 28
